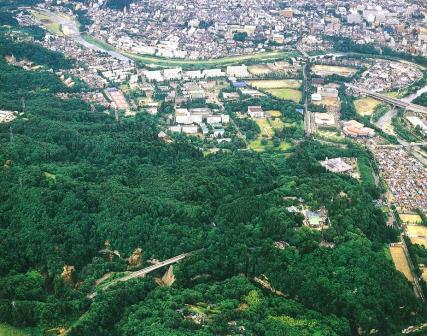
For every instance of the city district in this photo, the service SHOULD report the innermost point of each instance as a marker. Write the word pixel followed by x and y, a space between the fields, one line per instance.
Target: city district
pixel 262 77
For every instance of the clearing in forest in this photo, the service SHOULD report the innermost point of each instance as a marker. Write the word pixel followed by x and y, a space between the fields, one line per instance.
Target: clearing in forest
pixel 266 129
pixel 7 330
pixel 274 113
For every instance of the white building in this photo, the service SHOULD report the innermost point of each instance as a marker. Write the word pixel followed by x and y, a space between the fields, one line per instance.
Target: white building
pixel 256 112
pixel 336 165
pixel 7 116
pixel 238 71
pixel 225 118
pixel 213 73
pixel 195 74
pixel 153 76
pixel 190 129
pixel 214 119
pixel 172 74
pixel 316 97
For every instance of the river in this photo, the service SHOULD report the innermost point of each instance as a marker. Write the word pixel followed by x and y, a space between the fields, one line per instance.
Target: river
pixel 412 97
pixel 73 33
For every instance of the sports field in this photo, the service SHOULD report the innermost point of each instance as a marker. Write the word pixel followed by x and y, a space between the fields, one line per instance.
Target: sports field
pixel 325 70
pixel 287 94
pixel 259 69
pixel 276 83
pixel 366 106
pixel 410 218
pixel 419 240
pixel 400 261
pixel 416 230
pixel 281 88
pixel 328 101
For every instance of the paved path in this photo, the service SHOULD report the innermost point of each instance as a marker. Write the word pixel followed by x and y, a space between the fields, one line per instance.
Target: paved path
pixel 307 113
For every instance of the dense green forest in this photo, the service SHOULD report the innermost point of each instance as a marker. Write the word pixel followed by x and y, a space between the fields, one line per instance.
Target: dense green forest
pixel 72 178
pixel 421 100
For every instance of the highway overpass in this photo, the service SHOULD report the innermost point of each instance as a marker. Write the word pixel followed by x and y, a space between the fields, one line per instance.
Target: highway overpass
pixel 390 100
pixel 141 273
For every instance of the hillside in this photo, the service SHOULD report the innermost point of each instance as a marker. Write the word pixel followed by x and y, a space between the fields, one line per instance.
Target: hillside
pixel 74 182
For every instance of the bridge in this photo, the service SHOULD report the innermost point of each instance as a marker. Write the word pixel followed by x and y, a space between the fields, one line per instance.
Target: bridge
pixel 142 272
pixel 390 100
pixel 409 144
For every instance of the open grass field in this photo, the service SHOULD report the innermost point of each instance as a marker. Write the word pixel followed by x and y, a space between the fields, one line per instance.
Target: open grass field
pixel 392 94
pixel 274 113
pixel 287 94
pixel 330 136
pixel 257 146
pixel 276 83
pixel 320 70
pixel 51 26
pixel 416 230
pixel 366 106
pixel 411 218
pixel 400 261
pixel 329 101
pixel 259 69
pixel 7 330
pixel 276 123
pixel 266 129
pixel 419 240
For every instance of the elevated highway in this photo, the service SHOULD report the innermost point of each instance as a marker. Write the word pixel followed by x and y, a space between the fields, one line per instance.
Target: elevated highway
pixel 390 100
pixel 141 273
pixel 408 144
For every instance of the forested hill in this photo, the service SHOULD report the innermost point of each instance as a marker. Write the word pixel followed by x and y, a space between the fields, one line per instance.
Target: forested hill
pixel 72 179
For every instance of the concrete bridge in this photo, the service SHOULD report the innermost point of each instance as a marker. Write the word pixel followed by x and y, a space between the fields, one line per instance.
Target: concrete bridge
pixel 406 145
pixel 390 100
pixel 141 273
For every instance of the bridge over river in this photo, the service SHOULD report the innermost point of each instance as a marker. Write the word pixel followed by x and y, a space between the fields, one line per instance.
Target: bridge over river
pixel 390 100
